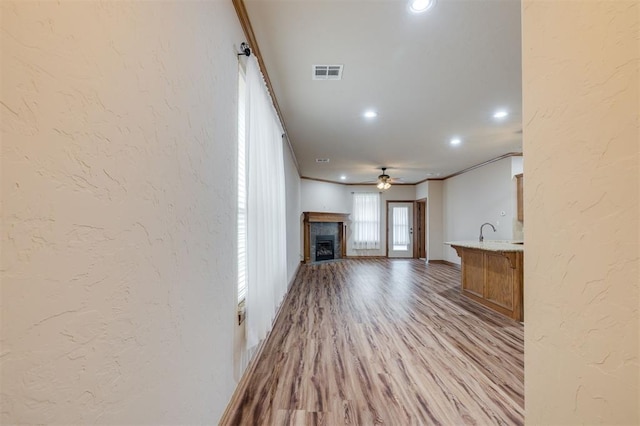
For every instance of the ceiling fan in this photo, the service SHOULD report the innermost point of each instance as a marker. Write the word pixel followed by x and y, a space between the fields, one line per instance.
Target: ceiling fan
pixel 384 181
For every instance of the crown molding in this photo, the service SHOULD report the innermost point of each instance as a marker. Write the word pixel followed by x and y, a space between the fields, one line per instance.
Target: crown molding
pixel 468 169
pixel 353 183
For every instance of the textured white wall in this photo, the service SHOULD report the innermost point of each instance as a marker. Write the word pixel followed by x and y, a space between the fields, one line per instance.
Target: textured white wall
pixel 318 196
pixel 581 143
pixel 422 190
pixel 118 209
pixel 517 165
pixel 476 197
pixel 435 235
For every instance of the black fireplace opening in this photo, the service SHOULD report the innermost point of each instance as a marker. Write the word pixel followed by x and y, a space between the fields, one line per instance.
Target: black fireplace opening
pixel 325 247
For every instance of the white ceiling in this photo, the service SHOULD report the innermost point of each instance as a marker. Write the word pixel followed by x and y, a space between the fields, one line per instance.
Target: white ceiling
pixel 430 77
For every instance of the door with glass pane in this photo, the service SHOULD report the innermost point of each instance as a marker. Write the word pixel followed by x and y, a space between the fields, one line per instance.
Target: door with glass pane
pixel 400 232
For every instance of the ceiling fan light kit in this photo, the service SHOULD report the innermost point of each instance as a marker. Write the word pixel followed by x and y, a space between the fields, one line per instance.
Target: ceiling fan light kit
pixel 384 180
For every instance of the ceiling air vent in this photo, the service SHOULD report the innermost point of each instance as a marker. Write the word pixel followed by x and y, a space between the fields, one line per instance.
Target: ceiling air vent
pixel 327 72
pixel 322 160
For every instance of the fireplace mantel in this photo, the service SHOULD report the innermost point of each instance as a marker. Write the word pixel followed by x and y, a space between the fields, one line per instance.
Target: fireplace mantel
pixel 310 217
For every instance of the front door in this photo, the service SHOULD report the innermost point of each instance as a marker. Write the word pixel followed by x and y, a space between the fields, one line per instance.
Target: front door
pixel 400 233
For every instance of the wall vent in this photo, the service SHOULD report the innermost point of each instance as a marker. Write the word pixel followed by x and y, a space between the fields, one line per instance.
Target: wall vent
pixel 327 72
pixel 322 160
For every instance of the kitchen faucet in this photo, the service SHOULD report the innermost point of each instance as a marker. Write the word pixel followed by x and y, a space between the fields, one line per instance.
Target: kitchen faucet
pixel 481 226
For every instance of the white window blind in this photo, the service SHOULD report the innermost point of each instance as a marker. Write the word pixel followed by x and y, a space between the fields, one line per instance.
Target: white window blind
pixel 242 190
pixel 366 220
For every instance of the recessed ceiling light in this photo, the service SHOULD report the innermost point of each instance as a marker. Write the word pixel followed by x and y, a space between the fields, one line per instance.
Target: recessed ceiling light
pixel 343 177
pixel 370 114
pixel 500 114
pixel 455 141
pixel 419 6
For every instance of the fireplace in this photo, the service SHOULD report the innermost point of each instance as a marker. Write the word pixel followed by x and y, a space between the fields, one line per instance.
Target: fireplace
pixel 319 224
pixel 325 249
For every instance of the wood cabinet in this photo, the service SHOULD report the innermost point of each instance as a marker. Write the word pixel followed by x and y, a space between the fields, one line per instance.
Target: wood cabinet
pixel 519 197
pixel 494 278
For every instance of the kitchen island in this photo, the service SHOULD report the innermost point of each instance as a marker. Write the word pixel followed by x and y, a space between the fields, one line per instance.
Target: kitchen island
pixel 492 274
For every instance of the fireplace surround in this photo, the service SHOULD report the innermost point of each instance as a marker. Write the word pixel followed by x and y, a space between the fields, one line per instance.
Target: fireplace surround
pixel 325 220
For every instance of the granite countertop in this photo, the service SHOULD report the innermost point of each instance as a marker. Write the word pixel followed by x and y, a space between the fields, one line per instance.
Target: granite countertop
pixel 490 245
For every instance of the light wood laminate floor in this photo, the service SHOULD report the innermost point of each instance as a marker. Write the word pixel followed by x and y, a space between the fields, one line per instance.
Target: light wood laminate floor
pixel 384 341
